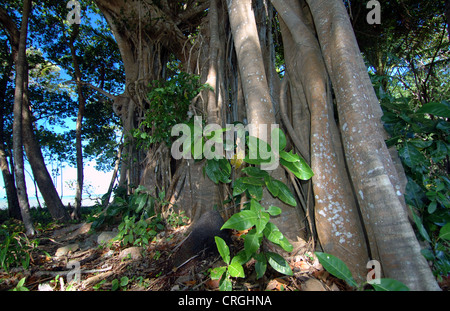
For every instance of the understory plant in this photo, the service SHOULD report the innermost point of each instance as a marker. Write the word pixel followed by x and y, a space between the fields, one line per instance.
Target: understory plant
pixel 140 215
pixel 339 269
pixel 169 103
pixel 421 136
pixel 254 219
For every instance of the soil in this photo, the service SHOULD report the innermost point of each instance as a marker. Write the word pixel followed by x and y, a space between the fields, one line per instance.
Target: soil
pixel 70 258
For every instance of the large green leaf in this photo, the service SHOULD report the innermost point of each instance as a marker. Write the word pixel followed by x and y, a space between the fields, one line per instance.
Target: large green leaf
pixel 223 249
pixel 439 109
pixel 278 263
pixel 289 156
pixel 411 156
pixel 274 235
pixel 388 285
pixel 235 269
pixel 336 267
pixel 284 194
pixel 239 187
pixel 255 192
pixel 217 272
pixel 218 170
pixel 260 265
pixel 299 168
pixel 281 138
pixel 252 242
pixel 241 221
pixel 444 233
pixel 255 172
pixel 420 227
pixel 225 284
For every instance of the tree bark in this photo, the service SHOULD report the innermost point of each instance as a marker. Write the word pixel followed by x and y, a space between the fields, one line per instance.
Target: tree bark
pixel 336 214
pixel 8 178
pixel 76 214
pixel 17 123
pixel 259 104
pixel 370 165
pixel 32 147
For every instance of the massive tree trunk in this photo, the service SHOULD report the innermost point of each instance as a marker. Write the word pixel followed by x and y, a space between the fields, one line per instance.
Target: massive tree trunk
pixel 337 219
pixel 17 124
pixel 371 167
pixel 356 192
pixel 259 106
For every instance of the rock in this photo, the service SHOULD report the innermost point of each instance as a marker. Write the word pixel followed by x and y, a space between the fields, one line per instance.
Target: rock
pixel 62 251
pixel 105 237
pixel 201 239
pixel 133 253
pixel 313 285
pixel 83 229
pixel 45 287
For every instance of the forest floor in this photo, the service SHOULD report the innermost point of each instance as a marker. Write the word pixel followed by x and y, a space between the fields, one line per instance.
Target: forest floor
pixel 74 257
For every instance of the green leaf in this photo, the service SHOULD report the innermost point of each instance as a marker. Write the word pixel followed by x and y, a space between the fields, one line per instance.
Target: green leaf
pixel 252 181
pixel 235 269
pixel 261 265
pixel 114 285
pixel 255 192
pixel 423 232
pixel 411 156
pixel 388 285
pixel 239 187
pixel 278 263
pixel 284 194
pixel 299 168
pixel 439 109
pixel 252 242
pixel 124 281
pixel 217 272
pixel 336 267
pixel 255 172
pixel 274 235
pixel 241 221
pixel 281 138
pixel 432 207
pixel 218 170
pixel 223 249
pixel 225 284
pixel 271 186
pixel 259 151
pixel 289 156
pixel 274 210
pixel 444 233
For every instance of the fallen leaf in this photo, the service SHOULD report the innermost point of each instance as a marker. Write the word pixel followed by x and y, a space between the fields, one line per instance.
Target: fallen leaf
pixel 277 285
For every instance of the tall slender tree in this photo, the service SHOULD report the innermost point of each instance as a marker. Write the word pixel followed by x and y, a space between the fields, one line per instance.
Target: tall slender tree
pixel 17 125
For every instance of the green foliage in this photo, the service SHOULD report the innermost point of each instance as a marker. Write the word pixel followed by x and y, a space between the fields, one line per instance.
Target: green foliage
pixel 254 217
pixel 169 105
pixel 140 222
pixel 120 284
pixel 15 249
pixel 339 269
pixel 421 137
pixel 139 205
pixel 20 286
